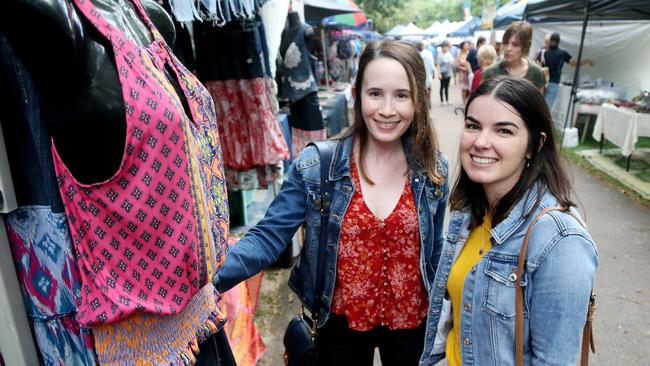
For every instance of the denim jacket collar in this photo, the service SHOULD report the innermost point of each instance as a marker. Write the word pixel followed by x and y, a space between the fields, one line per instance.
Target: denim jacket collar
pixel 341 162
pixel 518 214
pixel 459 220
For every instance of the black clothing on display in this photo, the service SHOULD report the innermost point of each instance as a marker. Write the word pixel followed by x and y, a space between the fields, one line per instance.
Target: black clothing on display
pixel 554 59
pixel 74 71
pixel 306 114
pixel 244 45
pixel 215 351
pixel 289 32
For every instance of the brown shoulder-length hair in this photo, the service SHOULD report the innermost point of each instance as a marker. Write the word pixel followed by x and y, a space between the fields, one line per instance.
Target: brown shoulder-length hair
pixel 424 147
pixel 544 166
pixel 523 32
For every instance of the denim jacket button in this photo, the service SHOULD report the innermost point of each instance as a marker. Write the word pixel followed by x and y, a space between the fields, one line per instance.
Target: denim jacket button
pixel 467 307
pixel 437 193
pixel 512 277
pixel 467 341
pixel 473 269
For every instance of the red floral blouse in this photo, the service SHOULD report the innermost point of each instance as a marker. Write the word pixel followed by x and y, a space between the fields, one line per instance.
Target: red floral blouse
pixel 378 281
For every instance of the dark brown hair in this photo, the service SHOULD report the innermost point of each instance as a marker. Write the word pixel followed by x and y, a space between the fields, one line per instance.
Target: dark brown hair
pixel 424 148
pixel 523 32
pixel 544 166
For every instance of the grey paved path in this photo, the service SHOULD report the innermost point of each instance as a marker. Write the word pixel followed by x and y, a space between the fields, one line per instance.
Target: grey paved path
pixel 620 227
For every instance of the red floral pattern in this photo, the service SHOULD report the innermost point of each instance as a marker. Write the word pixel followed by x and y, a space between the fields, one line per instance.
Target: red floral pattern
pixel 250 131
pixel 378 281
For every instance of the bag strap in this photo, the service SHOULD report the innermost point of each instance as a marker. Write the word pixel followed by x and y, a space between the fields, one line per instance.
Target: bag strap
pixel 587 332
pixel 325 151
pixel 541 58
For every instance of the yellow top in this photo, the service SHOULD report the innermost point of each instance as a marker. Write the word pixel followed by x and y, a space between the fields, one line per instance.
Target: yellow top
pixel 478 243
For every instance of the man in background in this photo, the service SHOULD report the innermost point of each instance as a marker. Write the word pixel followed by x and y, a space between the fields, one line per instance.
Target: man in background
pixel 554 58
pixel 472 56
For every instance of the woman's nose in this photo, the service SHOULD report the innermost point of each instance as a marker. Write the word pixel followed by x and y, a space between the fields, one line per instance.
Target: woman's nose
pixel 387 107
pixel 482 140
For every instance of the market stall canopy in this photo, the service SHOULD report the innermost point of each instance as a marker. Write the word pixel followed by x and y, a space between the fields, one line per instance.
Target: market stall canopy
pixel 411 30
pixel 316 10
pixel 510 12
pixel 349 19
pixel 467 29
pixel 562 10
pixel 395 31
pixel 434 29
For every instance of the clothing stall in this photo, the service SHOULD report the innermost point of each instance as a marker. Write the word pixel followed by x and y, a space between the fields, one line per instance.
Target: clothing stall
pixel 243 147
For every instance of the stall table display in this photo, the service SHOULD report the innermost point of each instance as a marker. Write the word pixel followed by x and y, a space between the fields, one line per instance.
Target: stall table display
pixel 591 110
pixel 334 106
pixel 621 126
pixel 588 102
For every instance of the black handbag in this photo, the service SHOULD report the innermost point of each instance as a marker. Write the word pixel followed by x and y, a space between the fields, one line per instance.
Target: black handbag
pixel 300 336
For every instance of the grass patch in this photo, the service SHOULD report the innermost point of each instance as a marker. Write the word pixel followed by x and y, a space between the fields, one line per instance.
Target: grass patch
pixel 572 155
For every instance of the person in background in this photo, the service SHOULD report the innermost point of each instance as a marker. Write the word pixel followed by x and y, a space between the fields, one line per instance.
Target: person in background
pixel 538 53
pixel 472 56
pixel 444 71
pixel 516 46
pixel 510 171
pixel 455 50
pixel 497 47
pixel 433 49
pixel 429 65
pixel 384 232
pixel 464 70
pixel 554 58
pixel 486 56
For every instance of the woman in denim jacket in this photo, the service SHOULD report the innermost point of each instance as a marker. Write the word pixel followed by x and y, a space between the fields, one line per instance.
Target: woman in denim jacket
pixel 510 171
pixel 384 235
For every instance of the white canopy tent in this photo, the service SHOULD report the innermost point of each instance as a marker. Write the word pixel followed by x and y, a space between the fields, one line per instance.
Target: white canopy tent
pixel 620 50
pixel 411 32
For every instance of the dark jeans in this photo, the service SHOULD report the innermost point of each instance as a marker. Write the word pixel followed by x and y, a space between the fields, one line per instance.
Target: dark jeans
pixel 340 346
pixel 444 86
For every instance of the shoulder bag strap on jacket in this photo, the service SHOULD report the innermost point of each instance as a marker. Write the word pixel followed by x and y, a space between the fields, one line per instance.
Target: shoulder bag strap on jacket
pixel 587 335
pixel 325 152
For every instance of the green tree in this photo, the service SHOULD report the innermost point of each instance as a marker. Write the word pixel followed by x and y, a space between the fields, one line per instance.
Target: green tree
pixel 388 13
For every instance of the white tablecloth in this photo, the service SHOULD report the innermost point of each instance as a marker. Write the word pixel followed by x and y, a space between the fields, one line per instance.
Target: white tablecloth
pixel 621 126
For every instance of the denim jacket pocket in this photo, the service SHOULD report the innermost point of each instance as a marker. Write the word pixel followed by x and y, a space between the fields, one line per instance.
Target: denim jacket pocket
pixel 500 279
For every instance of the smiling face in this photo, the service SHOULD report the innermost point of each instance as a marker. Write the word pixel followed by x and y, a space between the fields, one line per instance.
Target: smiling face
pixel 493 145
pixel 386 100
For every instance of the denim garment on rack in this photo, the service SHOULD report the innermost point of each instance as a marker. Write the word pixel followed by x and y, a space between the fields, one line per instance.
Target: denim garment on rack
pixel 242 59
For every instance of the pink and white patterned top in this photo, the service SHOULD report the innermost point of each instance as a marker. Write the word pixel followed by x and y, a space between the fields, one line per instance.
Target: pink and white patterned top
pixel 152 235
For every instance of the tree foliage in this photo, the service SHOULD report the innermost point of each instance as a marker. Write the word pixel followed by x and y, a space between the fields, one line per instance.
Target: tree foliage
pixel 388 13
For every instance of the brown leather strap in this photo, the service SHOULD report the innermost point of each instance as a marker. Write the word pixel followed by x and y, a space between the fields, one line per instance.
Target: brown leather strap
pixel 587 334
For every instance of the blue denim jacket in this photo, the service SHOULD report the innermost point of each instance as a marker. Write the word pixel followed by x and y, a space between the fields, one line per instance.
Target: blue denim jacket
pixel 298 203
pixel 559 271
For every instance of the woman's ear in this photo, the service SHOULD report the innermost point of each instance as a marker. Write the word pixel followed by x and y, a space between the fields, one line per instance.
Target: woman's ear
pixel 542 140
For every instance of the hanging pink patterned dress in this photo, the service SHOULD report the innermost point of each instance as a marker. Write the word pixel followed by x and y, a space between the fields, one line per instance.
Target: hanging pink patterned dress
pixel 149 239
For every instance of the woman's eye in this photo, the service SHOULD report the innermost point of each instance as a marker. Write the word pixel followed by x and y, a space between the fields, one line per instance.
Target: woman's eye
pixel 471 126
pixel 373 93
pixel 505 131
pixel 403 96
